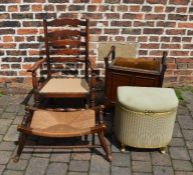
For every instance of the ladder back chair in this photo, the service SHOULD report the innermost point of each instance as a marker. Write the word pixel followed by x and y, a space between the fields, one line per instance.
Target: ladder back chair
pixel 66 50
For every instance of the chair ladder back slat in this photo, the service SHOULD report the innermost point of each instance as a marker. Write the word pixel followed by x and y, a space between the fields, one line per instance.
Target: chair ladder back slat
pixel 61 43
pixel 66 21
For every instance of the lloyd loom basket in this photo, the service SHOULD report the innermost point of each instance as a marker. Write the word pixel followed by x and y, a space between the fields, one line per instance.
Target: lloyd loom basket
pixel 145 116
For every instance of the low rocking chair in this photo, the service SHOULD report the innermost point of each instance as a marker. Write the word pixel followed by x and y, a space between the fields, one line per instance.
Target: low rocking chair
pixel 62 123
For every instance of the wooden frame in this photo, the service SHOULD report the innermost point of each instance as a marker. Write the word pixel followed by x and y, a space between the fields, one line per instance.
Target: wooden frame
pixel 67 43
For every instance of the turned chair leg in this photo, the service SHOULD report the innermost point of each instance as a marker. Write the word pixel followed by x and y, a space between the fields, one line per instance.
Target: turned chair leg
pixel 104 145
pixel 21 144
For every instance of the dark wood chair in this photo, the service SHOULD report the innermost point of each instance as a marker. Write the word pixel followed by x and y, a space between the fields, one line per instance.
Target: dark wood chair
pixel 66 50
pixel 62 123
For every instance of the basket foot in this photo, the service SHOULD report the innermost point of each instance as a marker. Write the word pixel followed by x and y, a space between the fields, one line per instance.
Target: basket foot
pixel 122 147
pixel 163 150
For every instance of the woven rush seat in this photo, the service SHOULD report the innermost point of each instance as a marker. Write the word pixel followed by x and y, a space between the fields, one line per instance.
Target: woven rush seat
pixel 61 86
pixel 62 123
pixel 145 116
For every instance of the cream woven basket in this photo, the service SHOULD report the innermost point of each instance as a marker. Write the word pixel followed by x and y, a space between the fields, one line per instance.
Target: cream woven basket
pixel 143 129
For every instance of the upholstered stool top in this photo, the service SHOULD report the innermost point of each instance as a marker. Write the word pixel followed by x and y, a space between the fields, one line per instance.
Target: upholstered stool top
pixel 147 99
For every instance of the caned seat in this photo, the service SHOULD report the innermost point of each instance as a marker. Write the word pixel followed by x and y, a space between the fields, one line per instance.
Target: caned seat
pixel 62 123
pixel 61 86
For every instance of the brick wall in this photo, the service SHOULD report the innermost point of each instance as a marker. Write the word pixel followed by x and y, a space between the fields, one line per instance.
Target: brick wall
pixel 156 25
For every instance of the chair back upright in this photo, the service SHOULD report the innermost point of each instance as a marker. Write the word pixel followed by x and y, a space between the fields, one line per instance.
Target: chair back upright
pixel 66 44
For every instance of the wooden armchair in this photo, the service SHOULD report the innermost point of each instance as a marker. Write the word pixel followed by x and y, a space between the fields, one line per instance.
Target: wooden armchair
pixel 66 50
pixel 62 123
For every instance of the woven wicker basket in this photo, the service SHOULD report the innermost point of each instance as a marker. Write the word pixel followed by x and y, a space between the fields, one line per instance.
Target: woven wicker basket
pixel 143 129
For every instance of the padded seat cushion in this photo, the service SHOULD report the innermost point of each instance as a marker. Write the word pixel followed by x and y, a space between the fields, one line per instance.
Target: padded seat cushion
pixel 65 122
pixel 65 85
pixel 146 99
pixel 137 63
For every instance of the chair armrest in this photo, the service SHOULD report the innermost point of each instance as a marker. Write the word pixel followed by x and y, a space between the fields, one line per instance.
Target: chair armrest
pixel 36 65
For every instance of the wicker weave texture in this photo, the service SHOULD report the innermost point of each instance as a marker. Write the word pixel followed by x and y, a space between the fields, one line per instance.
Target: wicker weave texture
pixel 143 130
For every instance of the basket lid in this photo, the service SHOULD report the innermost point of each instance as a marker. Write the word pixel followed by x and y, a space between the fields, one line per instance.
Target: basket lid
pixel 144 99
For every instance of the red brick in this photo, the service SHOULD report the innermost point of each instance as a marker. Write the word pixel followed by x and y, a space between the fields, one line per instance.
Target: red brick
pixel 185 25
pixel 122 8
pixel 120 38
pixel 132 16
pixel 112 15
pixel 92 8
pixel 166 24
pixel 103 8
pixel 171 66
pixel 187 46
pixel 19 39
pixel 179 53
pixel 37 8
pixel 165 39
pixel 156 1
pixel 5 66
pixel 156 52
pixel 121 23
pixel 187 39
pixel 7 45
pixel 142 38
pixel 149 46
pixel 133 1
pixel 158 9
pixel 26 31
pixel 153 31
pixel 154 38
pixel 183 72
pixel 134 8
pixel 96 1
pixel 7 38
pixel 184 60
pixel 176 39
pixel 179 2
pixel 175 32
pixel 51 7
pixel 178 17
pixel 181 9
pixel 143 52
pixel 170 46
pixel 111 31
pixel 155 16
pixel 12 8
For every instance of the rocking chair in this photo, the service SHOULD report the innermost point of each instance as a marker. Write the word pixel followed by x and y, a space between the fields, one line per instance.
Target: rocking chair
pixel 66 50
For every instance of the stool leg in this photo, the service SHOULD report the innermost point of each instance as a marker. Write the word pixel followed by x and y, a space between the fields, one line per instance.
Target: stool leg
pixel 22 140
pixel 104 145
pixel 122 147
pixel 163 150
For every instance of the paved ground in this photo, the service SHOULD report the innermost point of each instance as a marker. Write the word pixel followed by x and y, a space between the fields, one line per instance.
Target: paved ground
pixel 178 160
